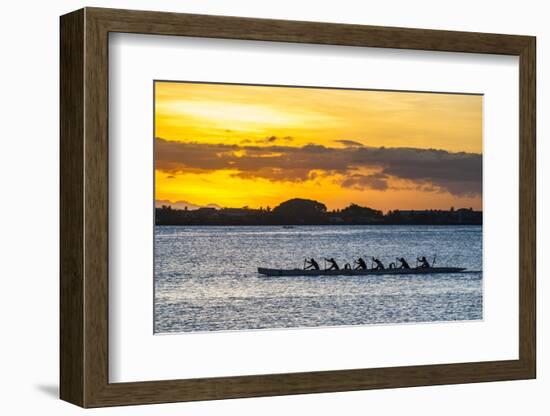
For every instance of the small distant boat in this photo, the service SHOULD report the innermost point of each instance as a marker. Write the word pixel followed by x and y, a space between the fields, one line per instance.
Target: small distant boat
pixel 363 272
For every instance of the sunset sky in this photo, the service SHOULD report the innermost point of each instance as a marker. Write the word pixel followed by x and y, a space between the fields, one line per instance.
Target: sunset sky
pixel 257 146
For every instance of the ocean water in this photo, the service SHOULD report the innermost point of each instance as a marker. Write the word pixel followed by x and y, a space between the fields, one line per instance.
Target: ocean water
pixel 206 277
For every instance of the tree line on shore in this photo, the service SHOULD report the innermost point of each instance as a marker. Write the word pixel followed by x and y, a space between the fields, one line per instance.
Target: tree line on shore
pixel 299 211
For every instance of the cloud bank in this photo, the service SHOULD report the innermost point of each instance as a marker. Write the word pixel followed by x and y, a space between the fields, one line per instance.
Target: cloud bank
pixel 429 169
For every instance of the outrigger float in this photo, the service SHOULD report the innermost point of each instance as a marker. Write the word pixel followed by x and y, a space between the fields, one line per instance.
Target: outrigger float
pixel 359 272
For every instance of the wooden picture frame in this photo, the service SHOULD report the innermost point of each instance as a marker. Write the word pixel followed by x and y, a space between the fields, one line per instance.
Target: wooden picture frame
pixel 84 207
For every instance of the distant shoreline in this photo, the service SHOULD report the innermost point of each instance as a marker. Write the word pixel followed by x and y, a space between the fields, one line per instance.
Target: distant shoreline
pixel 297 211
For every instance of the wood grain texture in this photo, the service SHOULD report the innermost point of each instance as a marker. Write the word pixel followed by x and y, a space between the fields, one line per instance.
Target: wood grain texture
pixel 71 99
pixel 162 23
pixel 527 207
pixel 96 208
pixel 84 207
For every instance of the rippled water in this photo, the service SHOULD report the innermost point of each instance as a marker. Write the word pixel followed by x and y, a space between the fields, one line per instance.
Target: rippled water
pixel 206 277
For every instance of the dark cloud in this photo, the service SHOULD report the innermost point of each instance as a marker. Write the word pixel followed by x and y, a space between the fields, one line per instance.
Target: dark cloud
pixel 272 139
pixel 457 173
pixel 378 181
pixel 349 143
pixel 437 170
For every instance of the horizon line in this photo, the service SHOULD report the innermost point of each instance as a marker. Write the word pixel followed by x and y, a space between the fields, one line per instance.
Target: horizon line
pixel 246 207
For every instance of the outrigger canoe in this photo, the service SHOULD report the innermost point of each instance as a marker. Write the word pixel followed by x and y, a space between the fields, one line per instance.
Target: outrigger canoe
pixel 364 272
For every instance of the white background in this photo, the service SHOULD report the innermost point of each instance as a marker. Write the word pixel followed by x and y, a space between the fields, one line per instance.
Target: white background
pixel 29 213
pixel 136 355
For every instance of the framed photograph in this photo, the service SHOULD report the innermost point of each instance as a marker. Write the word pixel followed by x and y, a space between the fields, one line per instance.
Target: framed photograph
pixel 255 207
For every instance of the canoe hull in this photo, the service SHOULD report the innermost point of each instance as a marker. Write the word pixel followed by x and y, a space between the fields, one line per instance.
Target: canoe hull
pixel 299 272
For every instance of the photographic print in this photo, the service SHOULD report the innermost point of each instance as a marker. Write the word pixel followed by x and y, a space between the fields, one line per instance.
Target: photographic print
pixel 299 207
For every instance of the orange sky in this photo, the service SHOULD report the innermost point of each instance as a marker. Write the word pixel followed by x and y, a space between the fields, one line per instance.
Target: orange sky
pixel 237 145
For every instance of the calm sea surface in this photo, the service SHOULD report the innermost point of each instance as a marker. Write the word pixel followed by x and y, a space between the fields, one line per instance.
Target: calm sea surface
pixel 206 277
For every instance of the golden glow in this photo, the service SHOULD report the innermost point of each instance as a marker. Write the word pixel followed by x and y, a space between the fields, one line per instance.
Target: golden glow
pixel 294 117
pixel 233 115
